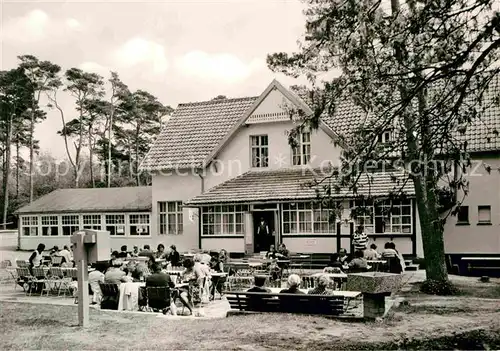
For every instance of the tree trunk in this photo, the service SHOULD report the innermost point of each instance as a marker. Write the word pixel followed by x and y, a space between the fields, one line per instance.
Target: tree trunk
pixel 110 134
pixel 5 185
pixel 32 152
pixel 136 165
pixel 431 230
pixel 17 168
pixel 91 163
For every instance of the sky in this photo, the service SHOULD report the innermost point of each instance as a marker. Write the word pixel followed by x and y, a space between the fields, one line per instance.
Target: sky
pixel 179 51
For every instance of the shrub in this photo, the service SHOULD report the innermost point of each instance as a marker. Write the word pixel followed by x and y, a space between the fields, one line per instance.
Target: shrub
pixel 436 287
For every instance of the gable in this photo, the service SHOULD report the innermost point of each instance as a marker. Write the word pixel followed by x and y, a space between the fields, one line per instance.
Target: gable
pixel 275 107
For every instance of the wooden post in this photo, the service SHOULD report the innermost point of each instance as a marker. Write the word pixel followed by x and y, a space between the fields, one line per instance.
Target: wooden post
pixel 80 254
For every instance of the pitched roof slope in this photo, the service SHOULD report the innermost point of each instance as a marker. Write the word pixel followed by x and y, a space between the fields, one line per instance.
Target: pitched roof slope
pixel 295 184
pixel 92 200
pixel 193 131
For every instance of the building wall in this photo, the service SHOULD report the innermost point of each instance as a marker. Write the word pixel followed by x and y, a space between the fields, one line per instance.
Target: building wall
pixel 484 189
pixel 31 242
pixel 235 158
pixel 177 186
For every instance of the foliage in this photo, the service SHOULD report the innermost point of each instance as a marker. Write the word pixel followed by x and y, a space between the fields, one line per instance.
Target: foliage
pixel 422 73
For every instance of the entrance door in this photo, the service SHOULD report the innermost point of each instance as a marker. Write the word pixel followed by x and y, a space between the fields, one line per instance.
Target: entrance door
pixel 265 221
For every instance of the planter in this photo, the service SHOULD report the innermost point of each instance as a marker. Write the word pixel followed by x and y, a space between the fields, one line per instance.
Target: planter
pixel 373 282
pixel 375 286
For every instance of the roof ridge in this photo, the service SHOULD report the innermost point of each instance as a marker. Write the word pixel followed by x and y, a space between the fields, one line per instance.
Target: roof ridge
pixel 206 102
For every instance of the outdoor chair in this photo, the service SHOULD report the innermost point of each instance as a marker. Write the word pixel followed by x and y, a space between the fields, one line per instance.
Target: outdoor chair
pixel 25 278
pixel 22 264
pixel 158 299
pixel 56 261
pixel 110 296
pixel 40 280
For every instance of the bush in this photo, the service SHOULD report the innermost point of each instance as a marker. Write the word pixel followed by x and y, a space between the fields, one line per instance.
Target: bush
pixel 436 287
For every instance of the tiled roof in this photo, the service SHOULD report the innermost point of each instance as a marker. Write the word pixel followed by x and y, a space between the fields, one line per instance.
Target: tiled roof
pixel 295 184
pixel 347 118
pixel 193 131
pixel 92 200
pixel 480 135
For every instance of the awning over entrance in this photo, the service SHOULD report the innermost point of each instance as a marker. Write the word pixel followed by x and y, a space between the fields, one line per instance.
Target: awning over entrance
pixel 297 184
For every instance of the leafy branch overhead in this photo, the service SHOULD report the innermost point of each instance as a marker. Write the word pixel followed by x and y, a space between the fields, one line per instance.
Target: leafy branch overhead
pixel 415 84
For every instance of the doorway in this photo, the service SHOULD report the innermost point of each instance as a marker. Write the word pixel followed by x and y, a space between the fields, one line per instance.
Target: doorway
pixel 263 241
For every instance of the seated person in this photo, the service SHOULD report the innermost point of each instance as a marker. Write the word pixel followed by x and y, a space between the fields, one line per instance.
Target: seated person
pixel 157 278
pixel 283 251
pixel 123 252
pixel 271 254
pixel 322 287
pixel 174 257
pixel 146 252
pixel 115 275
pixel 371 253
pixel 192 291
pixel 160 252
pixel 293 285
pixel 359 262
pixel 114 255
pixel 66 254
pixel 135 251
pixel 395 261
pixel 260 280
pixel 54 251
pixel 95 277
pixel 344 258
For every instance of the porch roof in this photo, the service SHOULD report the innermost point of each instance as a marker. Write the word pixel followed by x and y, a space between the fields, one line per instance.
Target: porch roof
pixel 297 184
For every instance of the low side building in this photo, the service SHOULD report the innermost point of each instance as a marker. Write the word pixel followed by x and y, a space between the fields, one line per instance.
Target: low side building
pixel 51 219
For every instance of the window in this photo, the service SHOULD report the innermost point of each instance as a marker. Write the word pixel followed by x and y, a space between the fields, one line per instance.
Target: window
pixel 301 153
pixel 115 224
pixel 384 137
pixel 50 225
pixel 70 224
pixel 463 215
pixel 484 214
pixel 30 225
pixel 139 224
pixel 260 151
pixel 384 216
pixel 306 217
pixel 170 217
pixel 223 220
pixel 92 222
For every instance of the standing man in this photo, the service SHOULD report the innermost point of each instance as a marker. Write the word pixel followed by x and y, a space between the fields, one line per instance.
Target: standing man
pixel 263 235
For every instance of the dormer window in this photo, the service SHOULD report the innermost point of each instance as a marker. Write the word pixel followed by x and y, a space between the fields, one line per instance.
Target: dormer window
pixel 260 151
pixel 384 137
pixel 301 153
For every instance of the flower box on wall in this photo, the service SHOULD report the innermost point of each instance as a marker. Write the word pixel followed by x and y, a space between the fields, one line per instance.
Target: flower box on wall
pixel 374 282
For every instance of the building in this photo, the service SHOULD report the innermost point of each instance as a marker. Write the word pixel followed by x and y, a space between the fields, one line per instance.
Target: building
pixel 51 219
pixel 220 166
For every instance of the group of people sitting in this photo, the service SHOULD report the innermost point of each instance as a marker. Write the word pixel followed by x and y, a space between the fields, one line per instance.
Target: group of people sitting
pixel 192 287
pixel 294 282
pixel 358 262
pixel 37 257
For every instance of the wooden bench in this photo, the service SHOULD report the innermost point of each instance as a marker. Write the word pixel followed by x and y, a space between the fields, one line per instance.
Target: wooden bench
pixel 330 305
pixel 480 264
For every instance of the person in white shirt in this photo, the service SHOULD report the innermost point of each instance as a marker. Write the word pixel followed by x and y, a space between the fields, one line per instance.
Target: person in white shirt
pixel 371 254
pixel 95 277
pixel 36 257
pixel 66 254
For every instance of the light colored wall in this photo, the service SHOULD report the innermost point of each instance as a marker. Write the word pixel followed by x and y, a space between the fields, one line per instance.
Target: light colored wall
pixel 235 158
pixel 174 186
pixel 229 244
pixel 311 245
pixel 484 189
